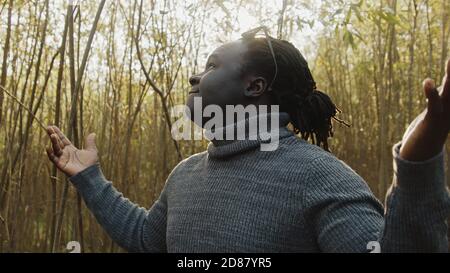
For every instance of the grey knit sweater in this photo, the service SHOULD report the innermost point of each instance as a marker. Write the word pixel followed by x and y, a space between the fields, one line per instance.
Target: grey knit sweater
pixel 299 198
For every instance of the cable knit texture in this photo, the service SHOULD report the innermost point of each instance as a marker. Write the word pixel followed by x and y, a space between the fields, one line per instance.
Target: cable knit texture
pixel 299 198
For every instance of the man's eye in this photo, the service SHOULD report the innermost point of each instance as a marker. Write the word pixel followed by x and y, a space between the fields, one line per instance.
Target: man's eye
pixel 211 65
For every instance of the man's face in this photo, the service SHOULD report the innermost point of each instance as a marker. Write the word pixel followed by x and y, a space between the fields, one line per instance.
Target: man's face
pixel 221 83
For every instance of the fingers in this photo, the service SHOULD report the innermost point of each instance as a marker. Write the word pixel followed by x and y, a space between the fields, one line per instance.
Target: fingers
pixel 446 82
pixel 56 149
pixel 61 136
pixel 90 142
pixel 433 98
pixel 56 145
pixel 50 130
pixel 51 155
pixel 428 84
pixel 53 158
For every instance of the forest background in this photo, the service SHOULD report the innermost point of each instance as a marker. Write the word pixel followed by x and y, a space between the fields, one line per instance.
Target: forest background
pixel 117 67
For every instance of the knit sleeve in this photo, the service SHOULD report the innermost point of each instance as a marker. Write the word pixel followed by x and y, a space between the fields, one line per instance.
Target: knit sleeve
pixel 130 226
pixel 346 216
pixel 417 206
pixel 341 210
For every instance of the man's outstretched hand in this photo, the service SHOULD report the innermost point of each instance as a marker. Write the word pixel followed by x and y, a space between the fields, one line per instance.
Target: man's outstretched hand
pixel 429 134
pixel 68 158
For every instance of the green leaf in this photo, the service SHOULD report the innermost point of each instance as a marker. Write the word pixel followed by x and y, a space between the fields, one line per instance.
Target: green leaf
pixel 348 38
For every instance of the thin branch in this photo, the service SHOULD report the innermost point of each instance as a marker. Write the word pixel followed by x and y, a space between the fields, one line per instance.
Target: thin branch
pixel 41 124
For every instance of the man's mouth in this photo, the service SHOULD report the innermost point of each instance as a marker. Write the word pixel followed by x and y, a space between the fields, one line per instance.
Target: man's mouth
pixel 194 91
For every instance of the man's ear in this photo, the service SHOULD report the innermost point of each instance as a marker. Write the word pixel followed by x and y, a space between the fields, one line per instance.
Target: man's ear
pixel 256 87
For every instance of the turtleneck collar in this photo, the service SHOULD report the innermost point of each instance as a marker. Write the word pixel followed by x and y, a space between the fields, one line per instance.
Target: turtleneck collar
pixel 226 148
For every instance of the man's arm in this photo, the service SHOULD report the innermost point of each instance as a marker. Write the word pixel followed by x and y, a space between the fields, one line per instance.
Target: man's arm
pixel 419 176
pixel 417 206
pixel 130 226
pixel 346 216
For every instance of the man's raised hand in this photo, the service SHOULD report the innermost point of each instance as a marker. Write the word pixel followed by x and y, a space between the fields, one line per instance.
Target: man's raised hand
pixel 427 137
pixel 68 158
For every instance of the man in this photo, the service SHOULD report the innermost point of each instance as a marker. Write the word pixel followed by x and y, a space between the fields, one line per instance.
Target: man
pixel 299 197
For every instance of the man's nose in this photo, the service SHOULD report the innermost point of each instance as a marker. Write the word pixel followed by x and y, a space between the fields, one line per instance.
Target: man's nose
pixel 194 80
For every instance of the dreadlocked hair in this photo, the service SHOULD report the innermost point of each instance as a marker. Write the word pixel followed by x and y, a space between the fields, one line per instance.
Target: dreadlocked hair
pixel 293 89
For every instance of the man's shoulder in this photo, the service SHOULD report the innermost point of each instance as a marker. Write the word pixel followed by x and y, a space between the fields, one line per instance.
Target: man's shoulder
pixel 297 150
pixel 190 163
pixel 315 160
